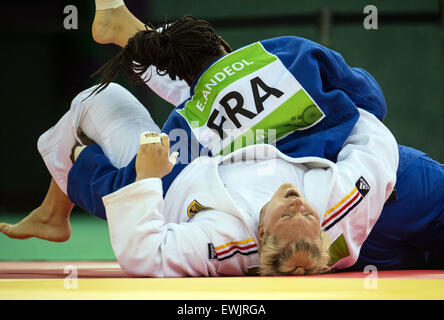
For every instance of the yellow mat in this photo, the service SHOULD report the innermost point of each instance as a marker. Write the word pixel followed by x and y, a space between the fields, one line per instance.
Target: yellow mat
pixel 230 288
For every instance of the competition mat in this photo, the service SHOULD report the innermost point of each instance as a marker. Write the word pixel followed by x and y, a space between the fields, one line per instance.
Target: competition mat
pixel 104 280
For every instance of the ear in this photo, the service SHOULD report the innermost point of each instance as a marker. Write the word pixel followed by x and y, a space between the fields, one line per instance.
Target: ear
pixel 261 234
pixel 225 45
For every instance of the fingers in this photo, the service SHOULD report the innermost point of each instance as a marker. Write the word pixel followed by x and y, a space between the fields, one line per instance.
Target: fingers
pixel 173 157
pixel 166 143
pixel 165 140
pixel 159 138
pixel 150 138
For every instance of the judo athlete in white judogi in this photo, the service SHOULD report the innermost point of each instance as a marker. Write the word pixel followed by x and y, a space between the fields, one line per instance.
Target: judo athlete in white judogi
pixel 218 211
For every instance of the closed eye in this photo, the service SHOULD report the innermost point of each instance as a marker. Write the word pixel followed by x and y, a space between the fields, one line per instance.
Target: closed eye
pixel 308 214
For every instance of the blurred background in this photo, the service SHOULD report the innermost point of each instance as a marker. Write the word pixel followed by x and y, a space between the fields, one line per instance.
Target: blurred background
pixel 45 65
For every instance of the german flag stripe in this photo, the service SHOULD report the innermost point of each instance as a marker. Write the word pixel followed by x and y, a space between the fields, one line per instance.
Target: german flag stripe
pixel 234 243
pixel 349 202
pixel 236 247
pixel 345 213
pixel 236 252
pixel 244 247
pixel 338 212
pixel 340 202
pixel 342 212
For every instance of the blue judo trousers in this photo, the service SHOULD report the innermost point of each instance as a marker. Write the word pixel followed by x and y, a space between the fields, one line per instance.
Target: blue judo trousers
pixel 411 228
pixel 409 234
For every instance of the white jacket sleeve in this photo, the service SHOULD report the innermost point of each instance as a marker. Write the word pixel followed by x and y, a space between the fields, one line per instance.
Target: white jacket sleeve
pixel 355 188
pixel 144 245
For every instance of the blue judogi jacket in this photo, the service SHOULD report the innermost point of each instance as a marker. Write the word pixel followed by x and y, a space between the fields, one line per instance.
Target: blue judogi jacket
pixel 316 79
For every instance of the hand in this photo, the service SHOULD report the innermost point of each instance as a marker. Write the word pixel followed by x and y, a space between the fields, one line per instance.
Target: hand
pixel 152 159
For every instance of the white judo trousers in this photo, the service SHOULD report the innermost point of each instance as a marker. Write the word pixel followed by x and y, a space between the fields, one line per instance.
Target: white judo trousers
pixel 114 119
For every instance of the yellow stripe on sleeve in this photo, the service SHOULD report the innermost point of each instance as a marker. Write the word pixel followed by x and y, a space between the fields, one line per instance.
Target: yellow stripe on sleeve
pixel 233 243
pixel 340 202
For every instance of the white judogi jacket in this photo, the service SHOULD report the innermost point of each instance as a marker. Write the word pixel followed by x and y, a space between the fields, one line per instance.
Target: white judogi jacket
pixel 178 236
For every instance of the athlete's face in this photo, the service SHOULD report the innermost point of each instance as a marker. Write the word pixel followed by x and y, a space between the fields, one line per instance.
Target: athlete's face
pixel 289 217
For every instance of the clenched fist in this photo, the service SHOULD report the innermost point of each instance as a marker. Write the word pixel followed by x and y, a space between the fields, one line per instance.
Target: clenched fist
pixel 153 160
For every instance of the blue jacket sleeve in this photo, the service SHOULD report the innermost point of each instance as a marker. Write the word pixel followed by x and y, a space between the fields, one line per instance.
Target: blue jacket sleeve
pixel 93 176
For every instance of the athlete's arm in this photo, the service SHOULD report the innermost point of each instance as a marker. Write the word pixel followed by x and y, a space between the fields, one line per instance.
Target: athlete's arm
pixel 355 188
pixel 143 244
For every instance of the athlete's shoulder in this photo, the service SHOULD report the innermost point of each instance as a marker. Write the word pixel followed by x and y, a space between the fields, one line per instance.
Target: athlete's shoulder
pixel 280 43
pixel 175 120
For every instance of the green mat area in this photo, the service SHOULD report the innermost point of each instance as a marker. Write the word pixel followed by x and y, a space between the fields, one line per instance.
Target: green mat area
pixel 89 241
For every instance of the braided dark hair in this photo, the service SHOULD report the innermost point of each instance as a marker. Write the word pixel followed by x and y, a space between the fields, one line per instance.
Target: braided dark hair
pixel 182 48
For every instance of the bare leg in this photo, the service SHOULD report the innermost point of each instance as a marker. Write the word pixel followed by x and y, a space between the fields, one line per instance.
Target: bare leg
pixel 115 26
pixel 49 221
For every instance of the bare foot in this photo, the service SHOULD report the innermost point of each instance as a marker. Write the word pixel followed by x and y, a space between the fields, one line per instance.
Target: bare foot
pixel 41 225
pixel 115 26
pixel 103 26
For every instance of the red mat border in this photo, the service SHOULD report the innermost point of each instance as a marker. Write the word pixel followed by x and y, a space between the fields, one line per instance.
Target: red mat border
pixel 111 269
